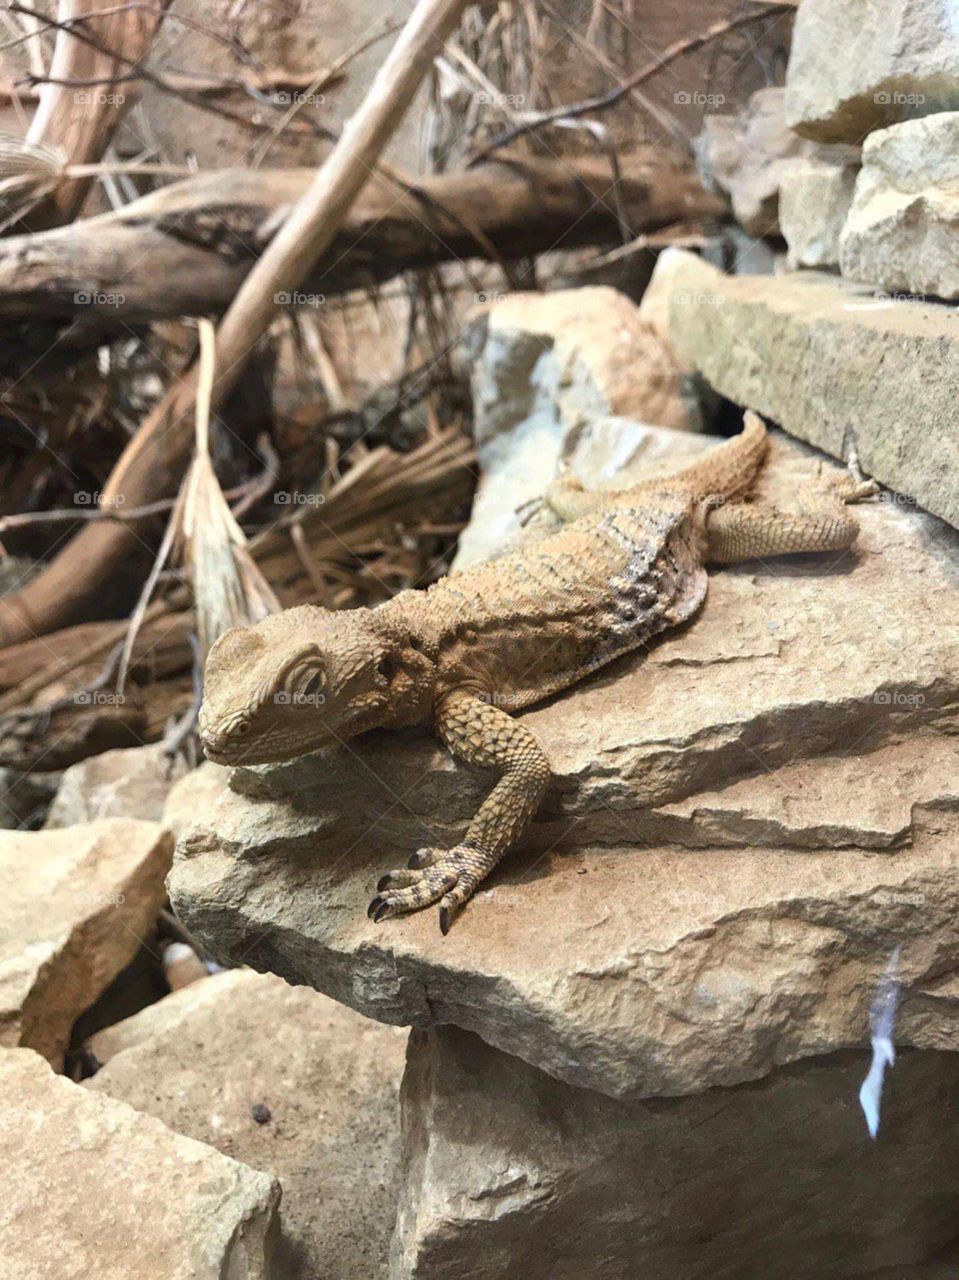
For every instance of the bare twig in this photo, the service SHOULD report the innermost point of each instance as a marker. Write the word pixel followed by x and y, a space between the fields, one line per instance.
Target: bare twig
pixel 688 44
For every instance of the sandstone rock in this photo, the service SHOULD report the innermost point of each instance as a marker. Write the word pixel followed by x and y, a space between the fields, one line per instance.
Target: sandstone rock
pixel 748 156
pixel 805 350
pixel 91 1187
pixel 545 367
pixel 193 796
pixel 902 229
pixel 856 67
pixel 814 201
pixel 510 1175
pixel 126 783
pixel 74 905
pixel 701 898
pixel 201 1059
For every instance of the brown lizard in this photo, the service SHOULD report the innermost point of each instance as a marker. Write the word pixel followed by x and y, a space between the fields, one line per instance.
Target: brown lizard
pixel 493 639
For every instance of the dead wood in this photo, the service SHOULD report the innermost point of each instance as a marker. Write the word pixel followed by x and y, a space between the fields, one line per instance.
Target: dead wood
pixel 81 106
pixel 152 465
pixel 187 248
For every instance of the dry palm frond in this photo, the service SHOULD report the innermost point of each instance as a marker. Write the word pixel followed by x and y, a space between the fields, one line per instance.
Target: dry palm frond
pixel 29 171
pixel 228 588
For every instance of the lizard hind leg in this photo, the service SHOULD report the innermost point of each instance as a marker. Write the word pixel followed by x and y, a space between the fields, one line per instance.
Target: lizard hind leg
pixel 742 531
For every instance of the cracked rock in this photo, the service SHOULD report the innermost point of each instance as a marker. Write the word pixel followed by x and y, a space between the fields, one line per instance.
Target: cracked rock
pixel 91 1187
pixel 287 1081
pixel 74 906
pixel 510 1175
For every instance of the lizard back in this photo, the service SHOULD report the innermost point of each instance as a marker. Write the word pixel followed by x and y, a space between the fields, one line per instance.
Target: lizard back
pixel 543 617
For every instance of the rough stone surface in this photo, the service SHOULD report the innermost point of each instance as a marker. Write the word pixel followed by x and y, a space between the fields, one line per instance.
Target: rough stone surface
pixel 807 350
pixel 903 226
pixel 700 900
pixel 201 1059
pixel 814 200
pixel 192 796
pixel 126 783
pixel 510 1175
pixel 91 1187
pixel 855 67
pixel 748 155
pixel 74 905
pixel 544 368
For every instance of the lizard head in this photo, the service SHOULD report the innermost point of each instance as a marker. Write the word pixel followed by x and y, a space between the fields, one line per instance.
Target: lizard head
pixel 298 680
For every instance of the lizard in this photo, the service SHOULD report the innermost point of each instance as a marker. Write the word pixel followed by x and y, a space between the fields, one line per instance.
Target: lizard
pixel 487 641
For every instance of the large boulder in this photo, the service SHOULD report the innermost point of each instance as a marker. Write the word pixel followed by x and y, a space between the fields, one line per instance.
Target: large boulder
pixel 74 907
pixel 855 67
pixel 699 899
pixel 285 1080
pixel 805 350
pixel 128 782
pixel 546 368
pixel 91 1187
pixel 902 228
pixel 511 1175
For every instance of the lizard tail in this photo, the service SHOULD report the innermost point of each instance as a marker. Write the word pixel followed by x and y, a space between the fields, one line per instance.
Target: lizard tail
pixel 731 468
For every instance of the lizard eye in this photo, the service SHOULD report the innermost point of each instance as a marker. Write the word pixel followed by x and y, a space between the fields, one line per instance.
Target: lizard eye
pixel 313 685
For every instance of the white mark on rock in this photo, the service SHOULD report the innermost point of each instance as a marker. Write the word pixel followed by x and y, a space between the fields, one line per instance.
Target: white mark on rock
pixel 882 1019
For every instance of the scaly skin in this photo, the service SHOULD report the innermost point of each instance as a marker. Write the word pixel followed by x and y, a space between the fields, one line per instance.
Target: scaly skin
pixel 494 639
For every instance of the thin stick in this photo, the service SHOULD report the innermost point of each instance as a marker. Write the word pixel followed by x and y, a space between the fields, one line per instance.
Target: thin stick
pixel 688 44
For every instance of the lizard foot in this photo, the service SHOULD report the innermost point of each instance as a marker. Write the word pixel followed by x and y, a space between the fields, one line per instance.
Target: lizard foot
pixel 447 876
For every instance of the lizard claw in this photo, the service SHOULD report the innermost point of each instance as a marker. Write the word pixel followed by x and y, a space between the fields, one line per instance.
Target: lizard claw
pixel 449 877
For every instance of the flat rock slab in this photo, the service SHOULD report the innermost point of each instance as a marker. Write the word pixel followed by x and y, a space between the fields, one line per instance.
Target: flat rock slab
pixel 828 361
pixel 854 67
pixel 902 226
pixel 91 1187
pixel 510 1175
pixel 745 930
pixel 75 905
pixel 325 1085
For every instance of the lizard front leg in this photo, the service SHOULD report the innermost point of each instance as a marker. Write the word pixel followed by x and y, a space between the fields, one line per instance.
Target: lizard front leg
pixel 483 735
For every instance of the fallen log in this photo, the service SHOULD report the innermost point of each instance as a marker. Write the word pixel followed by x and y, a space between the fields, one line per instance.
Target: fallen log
pixel 186 248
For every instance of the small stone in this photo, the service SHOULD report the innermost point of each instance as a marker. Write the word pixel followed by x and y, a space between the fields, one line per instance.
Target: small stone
pixel 261 1113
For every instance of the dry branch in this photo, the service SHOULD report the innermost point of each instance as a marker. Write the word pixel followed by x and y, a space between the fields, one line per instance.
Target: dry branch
pixel 82 121
pixel 153 463
pixel 187 247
